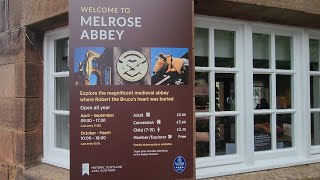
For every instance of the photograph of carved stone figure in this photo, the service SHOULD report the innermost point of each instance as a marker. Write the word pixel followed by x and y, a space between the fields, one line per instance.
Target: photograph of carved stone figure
pixel 169 66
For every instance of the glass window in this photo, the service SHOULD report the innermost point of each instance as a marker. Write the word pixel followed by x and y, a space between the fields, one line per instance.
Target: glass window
pixel 225 139
pixel 261 50
pixel 272 92
pixel 261 91
pixel 62 93
pixel 201 42
pixel 215 92
pixel 283 52
pixel 224 48
pixel 61 55
pixel 315 91
pixel 284 91
pixel 56 99
pixel 203 136
pixel 314 54
pixel 315 128
pixel 202 91
pixel 262 132
pixel 284 131
pixel 62 131
pixel 225 96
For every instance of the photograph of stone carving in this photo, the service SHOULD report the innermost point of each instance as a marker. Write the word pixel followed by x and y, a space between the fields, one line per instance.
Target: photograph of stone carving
pixel 169 66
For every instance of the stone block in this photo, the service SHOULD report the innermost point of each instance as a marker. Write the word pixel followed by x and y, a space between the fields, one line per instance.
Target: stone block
pixel 28 148
pixel 38 10
pixel 7 147
pixel 29 80
pixel 16 173
pixel 32 114
pixel 44 171
pixel 15 14
pixel 11 113
pixel 12 47
pixel 4 172
pixel 7 80
pixel 21 80
pixel 20 114
pixel 34 46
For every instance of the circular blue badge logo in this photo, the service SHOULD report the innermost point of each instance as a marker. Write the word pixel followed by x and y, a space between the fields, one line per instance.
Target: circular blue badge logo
pixel 179 164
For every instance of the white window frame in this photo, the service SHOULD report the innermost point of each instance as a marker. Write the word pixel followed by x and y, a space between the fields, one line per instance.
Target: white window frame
pixel 51 154
pixel 247 160
pixel 212 114
pixel 311 34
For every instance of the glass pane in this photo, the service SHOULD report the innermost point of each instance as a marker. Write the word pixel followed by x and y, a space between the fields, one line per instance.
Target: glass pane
pixel 225 135
pixel 315 128
pixel 261 50
pixel 224 48
pixel 202 91
pixel 284 131
pixel 225 99
pixel 201 41
pixel 61 55
pixel 283 52
pixel 261 91
pixel 283 92
pixel 202 137
pixel 62 93
pixel 262 132
pixel 314 49
pixel 62 131
pixel 315 91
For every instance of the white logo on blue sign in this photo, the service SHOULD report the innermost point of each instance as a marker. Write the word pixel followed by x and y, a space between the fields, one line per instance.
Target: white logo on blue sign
pixel 179 164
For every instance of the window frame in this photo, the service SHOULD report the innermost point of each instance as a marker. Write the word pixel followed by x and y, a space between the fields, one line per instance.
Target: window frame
pixel 311 34
pixel 51 154
pixel 273 31
pixel 212 114
pixel 300 152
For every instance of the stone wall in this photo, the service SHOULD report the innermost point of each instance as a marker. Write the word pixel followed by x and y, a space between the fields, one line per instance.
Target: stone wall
pixel 21 79
pixel 308 6
pixel 303 13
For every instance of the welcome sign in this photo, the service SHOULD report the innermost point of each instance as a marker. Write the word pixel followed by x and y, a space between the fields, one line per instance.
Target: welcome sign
pixel 131 89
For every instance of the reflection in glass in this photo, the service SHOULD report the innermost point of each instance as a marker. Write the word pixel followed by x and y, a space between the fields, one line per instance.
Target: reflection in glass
pixel 261 50
pixel 201 41
pixel 262 132
pixel 225 135
pixel 202 91
pixel 261 91
pixel 315 91
pixel 284 131
pixel 202 137
pixel 283 91
pixel 61 55
pixel 62 131
pixel 283 52
pixel 314 49
pixel 225 99
pixel 315 128
pixel 224 48
pixel 62 93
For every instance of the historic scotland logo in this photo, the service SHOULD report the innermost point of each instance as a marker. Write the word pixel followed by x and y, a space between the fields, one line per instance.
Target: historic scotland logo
pixel 179 164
